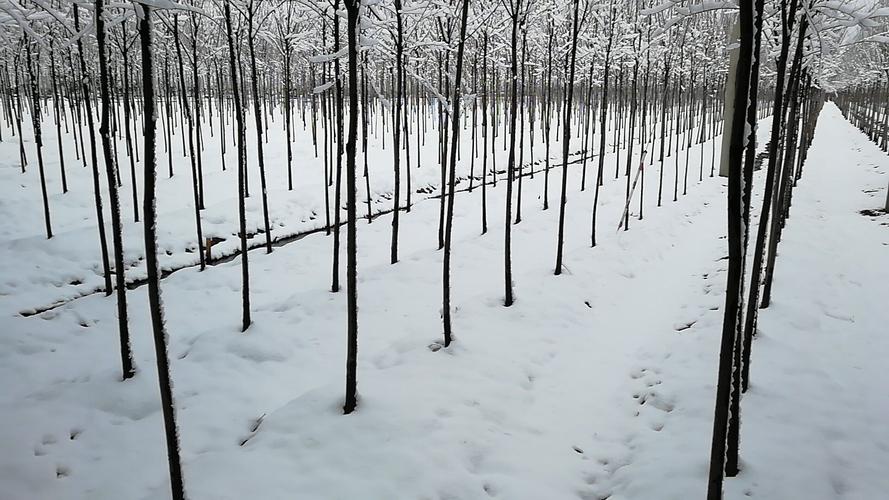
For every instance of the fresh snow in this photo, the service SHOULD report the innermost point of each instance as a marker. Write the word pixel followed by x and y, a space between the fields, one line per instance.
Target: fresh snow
pixel 595 384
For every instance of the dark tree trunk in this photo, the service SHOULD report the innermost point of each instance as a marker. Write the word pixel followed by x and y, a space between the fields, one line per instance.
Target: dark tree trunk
pixel 518 203
pixel 602 127
pixel 154 291
pixel 192 153
pixel 452 174
pixel 407 143
pixel 127 116
pixel 364 123
pixel 566 140
pixel 23 158
pixel 587 118
pixel 337 204
pixel 632 129
pixel 660 183
pixel 736 246
pixel 242 167
pixel 287 112
pixel 257 118
pixel 57 104
pixel 38 137
pixel 510 165
pixel 742 343
pixel 485 132
pixel 749 160
pixel 351 401
pixel 396 132
pixel 196 88
pixel 774 139
pixel 781 181
pixel 126 353
pixel 549 105
pixel 100 216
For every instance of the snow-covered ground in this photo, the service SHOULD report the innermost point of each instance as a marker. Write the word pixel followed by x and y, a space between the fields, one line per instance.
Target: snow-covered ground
pixel 595 384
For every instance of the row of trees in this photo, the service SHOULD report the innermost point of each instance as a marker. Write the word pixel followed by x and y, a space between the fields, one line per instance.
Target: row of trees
pixel 691 80
pixel 613 93
pixel 866 106
pixel 634 79
pixel 805 30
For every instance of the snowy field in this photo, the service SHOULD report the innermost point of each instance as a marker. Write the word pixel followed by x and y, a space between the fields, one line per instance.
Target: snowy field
pixel 595 384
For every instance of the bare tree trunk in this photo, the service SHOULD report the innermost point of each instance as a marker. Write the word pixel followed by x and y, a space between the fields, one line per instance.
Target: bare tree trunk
pixel 257 118
pixel 758 252
pixel 100 217
pixel 192 153
pixel 38 137
pixel 196 88
pixel 452 174
pixel 566 140
pixel 127 115
pixel 510 165
pixel 242 168
pixel 549 105
pixel 485 112
pixel 396 131
pixel 602 126
pixel 660 184
pixel 736 247
pixel 352 10
pixel 781 181
pixel 364 123
pixel 126 353
pixel 287 112
pixel 168 407
pixel 57 104
pixel 23 158
pixel 518 203
pixel 337 205
pixel 632 129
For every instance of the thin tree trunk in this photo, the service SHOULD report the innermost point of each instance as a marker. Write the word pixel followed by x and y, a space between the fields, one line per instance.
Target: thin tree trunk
pixel 257 118
pixel 396 132
pixel 352 7
pixel 38 137
pixel 774 138
pixel 100 217
pixel 510 165
pixel 242 168
pixel 485 132
pixel 183 98
pixel 452 174
pixel 168 407
pixel 126 353
pixel 602 126
pixel 57 104
pixel 337 204
pixel 566 140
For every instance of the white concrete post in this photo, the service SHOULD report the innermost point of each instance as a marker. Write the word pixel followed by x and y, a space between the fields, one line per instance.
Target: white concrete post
pixel 734 35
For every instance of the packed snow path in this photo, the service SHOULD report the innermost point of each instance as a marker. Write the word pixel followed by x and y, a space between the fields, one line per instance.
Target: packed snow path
pixel 596 384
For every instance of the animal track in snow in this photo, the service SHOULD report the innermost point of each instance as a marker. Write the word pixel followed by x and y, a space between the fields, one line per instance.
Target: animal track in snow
pixel 648 395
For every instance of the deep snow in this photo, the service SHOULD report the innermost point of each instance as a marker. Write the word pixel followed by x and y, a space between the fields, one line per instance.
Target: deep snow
pixel 595 384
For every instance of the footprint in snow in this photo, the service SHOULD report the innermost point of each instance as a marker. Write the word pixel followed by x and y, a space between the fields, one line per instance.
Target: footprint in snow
pixel 62 471
pixel 648 395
